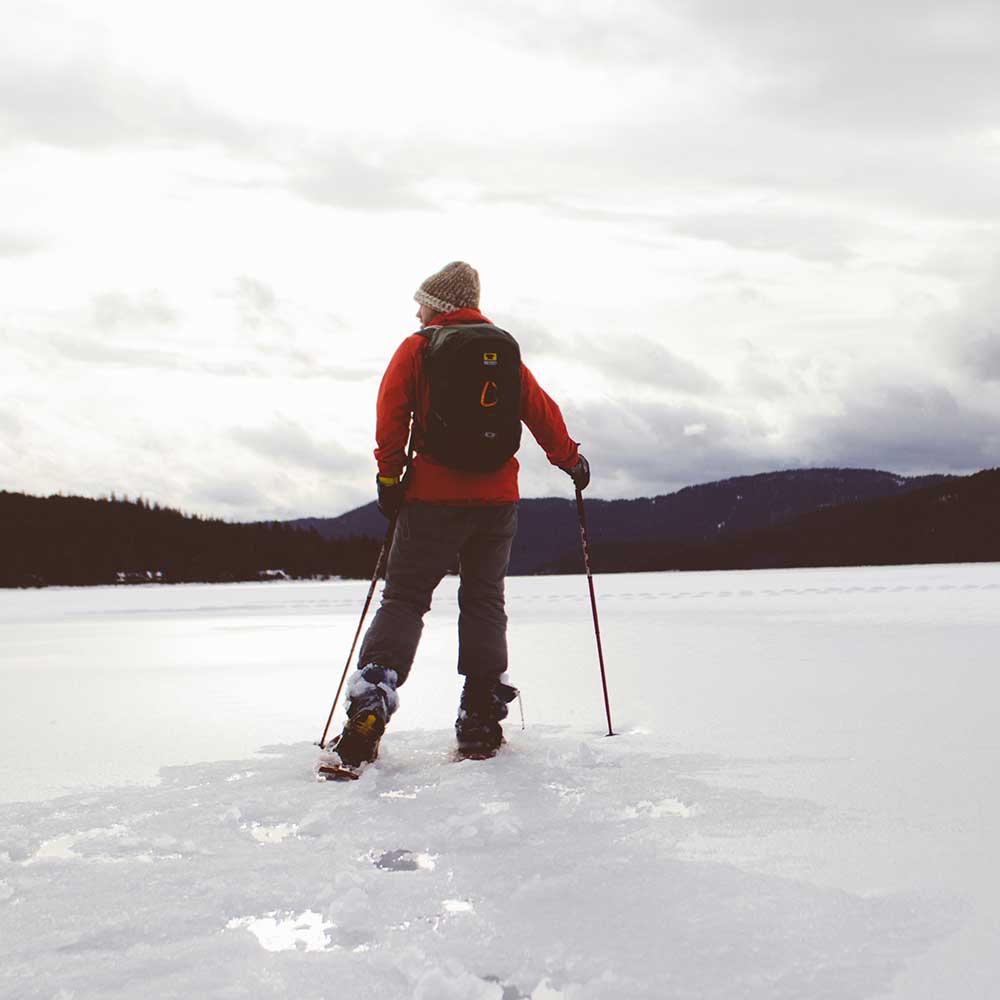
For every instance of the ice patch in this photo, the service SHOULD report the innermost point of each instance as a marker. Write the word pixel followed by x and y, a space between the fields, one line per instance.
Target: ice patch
pixel 277 931
pixel 655 810
pixel 272 834
pixel 60 848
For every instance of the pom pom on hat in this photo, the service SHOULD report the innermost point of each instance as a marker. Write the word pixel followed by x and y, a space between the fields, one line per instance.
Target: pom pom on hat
pixel 455 286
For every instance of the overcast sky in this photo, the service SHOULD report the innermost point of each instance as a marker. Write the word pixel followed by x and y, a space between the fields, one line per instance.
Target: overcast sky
pixel 731 237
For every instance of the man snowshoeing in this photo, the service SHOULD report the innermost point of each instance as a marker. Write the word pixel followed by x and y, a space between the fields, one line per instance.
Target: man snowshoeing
pixel 462 383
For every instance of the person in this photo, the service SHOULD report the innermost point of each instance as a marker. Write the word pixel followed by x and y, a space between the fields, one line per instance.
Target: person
pixel 444 513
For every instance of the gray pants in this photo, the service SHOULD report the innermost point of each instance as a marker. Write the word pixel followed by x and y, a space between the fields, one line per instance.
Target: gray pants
pixel 429 540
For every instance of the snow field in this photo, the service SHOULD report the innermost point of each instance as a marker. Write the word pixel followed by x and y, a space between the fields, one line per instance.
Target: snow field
pixel 802 801
pixel 555 870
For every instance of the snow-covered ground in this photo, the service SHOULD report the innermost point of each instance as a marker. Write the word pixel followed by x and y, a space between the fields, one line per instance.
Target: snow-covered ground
pixel 802 801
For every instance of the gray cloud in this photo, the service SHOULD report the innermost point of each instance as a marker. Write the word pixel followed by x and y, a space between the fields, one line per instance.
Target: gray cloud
pixel 289 363
pixel 623 35
pixel 980 355
pixel 86 102
pixel 263 314
pixel 533 338
pixel 901 66
pixel 232 494
pixel 644 361
pixel 775 227
pixel 15 244
pixel 97 352
pixel 875 110
pixel 10 425
pixel 115 310
pixel 652 447
pixel 967 337
pixel 637 359
pixel 905 66
pixel 343 179
pixel 286 441
pixel 809 235
pixel 905 428
pixel 260 314
pixel 255 297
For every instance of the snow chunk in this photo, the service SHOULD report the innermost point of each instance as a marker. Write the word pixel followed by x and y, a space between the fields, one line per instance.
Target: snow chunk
pixel 272 834
pixel 286 931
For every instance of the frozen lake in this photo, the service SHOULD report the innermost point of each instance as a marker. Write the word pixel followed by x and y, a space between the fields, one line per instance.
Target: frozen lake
pixel 829 732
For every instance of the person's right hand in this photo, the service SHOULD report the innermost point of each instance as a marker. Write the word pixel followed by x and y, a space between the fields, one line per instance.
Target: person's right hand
pixel 390 495
pixel 580 473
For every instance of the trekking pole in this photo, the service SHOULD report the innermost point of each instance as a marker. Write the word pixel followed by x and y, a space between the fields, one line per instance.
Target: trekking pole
pixel 593 602
pixel 382 554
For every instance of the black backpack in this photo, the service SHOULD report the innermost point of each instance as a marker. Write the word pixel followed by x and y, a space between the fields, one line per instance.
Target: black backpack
pixel 474 373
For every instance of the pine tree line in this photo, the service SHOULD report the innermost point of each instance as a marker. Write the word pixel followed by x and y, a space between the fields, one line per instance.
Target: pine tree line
pixel 62 540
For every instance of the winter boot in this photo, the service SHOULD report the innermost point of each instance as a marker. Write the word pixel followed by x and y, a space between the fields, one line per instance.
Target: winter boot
pixel 358 743
pixel 482 707
pixel 371 700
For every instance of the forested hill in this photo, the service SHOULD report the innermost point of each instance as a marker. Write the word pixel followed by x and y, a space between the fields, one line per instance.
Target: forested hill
pixel 548 536
pixel 812 517
pixel 956 520
pixel 74 540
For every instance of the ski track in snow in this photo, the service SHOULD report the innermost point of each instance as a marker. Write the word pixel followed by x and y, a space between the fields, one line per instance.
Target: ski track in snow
pixel 570 867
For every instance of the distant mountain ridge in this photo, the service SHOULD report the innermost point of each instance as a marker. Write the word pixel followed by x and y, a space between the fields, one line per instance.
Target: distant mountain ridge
pixel 548 533
pixel 951 521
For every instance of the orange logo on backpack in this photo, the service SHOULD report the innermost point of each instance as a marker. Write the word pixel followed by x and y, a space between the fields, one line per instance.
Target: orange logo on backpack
pixel 489 398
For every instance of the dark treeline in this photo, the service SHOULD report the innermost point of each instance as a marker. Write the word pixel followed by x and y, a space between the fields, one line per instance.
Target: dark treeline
pixel 77 541
pixel 956 520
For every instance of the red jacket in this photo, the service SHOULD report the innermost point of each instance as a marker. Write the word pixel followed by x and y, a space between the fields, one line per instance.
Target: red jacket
pixel 404 394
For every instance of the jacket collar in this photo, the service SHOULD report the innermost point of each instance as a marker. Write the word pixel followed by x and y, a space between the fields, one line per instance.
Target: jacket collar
pixel 458 318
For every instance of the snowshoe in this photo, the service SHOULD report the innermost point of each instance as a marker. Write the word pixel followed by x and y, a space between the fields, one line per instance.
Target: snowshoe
pixel 334 769
pixel 477 728
pixel 478 739
pixel 356 747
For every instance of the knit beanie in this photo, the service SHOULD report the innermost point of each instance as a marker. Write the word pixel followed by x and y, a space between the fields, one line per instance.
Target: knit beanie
pixel 455 286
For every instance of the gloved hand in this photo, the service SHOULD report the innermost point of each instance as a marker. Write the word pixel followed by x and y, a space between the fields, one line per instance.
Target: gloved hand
pixel 580 473
pixel 391 491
